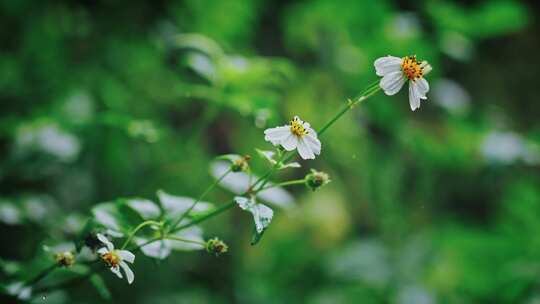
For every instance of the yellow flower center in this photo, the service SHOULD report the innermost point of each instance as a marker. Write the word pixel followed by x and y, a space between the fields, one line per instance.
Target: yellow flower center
pixel 411 68
pixel 297 128
pixel 111 258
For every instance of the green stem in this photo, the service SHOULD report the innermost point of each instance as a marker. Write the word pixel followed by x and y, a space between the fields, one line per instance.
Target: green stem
pixel 139 227
pixel 215 183
pixel 350 104
pixel 203 218
pixel 287 183
pixel 270 172
pixel 41 275
pixel 171 237
pixel 285 157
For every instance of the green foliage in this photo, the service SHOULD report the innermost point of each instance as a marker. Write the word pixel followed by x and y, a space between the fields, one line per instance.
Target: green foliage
pixel 104 103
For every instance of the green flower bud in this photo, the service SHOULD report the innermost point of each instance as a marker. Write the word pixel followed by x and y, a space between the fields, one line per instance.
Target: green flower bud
pixel 316 179
pixel 216 246
pixel 241 164
pixel 65 258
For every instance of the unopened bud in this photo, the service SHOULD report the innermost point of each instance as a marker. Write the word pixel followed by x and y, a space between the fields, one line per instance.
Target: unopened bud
pixel 65 258
pixel 216 246
pixel 241 164
pixel 316 179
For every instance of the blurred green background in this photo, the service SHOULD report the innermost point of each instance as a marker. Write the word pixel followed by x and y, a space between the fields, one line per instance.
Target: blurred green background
pixel 104 99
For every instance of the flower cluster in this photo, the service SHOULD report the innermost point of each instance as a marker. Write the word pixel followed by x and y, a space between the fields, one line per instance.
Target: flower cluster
pixel 172 224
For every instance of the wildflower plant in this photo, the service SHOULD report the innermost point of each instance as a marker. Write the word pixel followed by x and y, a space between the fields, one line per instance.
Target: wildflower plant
pixel 172 223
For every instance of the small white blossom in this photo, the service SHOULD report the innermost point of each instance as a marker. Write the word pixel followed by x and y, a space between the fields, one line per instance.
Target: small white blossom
pixel 116 259
pixel 296 135
pixel 396 71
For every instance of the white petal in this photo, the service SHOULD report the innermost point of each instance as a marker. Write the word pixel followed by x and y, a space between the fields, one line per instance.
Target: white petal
pixel 290 142
pixel 391 83
pixel 422 87
pixel 116 271
pixel 414 98
pixel 262 215
pixel 105 241
pixel 276 135
pixel 305 150
pixel 126 256
pixel 129 273
pixel 312 140
pixel 102 250
pixel 387 64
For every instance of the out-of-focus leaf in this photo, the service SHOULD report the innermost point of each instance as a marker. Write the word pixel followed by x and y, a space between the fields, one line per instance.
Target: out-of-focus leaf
pixel 175 206
pixel 116 216
pixel 107 215
pixel 100 286
pixel 146 208
pixel 238 183
pixel 9 213
pixel 161 249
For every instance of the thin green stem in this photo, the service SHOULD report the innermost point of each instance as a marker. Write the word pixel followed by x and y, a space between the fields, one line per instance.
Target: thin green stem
pixel 368 92
pixel 171 237
pixel 203 218
pixel 215 183
pixel 41 275
pixel 350 104
pixel 272 170
pixel 139 227
pixel 287 183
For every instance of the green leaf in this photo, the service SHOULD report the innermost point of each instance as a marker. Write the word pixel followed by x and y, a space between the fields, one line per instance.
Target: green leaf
pixel 102 289
pixel 175 206
pixel 145 208
pixel 238 183
pixel 107 215
pixel 117 216
pixel 161 249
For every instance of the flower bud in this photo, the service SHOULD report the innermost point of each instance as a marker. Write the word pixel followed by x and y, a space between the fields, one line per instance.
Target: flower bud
pixel 65 258
pixel 241 164
pixel 216 246
pixel 316 179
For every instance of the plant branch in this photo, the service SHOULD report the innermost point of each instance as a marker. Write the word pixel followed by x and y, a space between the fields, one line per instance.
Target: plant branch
pixel 215 183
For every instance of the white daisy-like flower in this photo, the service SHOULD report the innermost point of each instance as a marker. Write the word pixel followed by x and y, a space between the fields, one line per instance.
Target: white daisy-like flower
pixel 396 71
pixel 116 259
pixel 296 135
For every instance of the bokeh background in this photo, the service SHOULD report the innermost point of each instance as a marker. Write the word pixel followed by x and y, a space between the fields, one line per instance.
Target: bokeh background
pixel 108 99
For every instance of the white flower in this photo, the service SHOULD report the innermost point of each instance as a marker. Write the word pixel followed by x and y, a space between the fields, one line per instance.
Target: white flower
pixel 296 135
pixel 396 71
pixel 116 258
